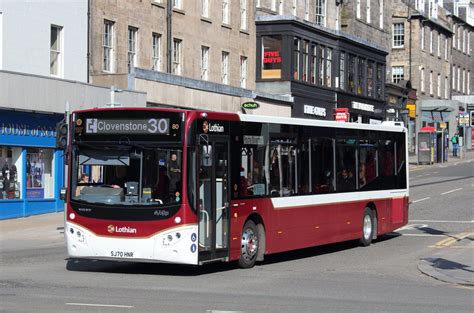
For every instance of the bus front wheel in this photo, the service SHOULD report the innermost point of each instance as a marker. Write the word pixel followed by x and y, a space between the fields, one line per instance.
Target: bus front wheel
pixel 368 227
pixel 249 245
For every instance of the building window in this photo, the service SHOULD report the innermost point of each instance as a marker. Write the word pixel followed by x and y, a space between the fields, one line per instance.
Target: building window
pixel 459 78
pixel 55 62
pixel 433 9
pixel 314 61
pixel 177 57
pixel 108 45
pixel 370 79
pixel 468 82
pixel 357 8
pixel 342 71
pixel 156 52
pixel 439 45
pixel 351 73
pixel 446 87
pixel 321 12
pixel 422 80
pixel 454 36
pixel 420 5
pixel 446 43
pixel 306 10
pixel 431 83
pixel 225 67
pixel 321 53
pixel 398 35
pixel 468 43
pixel 305 60
pixel 431 41
pixel 328 67
pixel 296 58
pixel 397 74
pixel 368 11
pixel 464 41
pixel 204 63
pixel 243 14
pixel 422 37
pixel 380 81
pixel 243 72
pixel 280 7
pixel 271 57
pixel 454 78
pixel 225 12
pixel 438 93
pixel 132 48
pixel 459 38
pixel 293 8
pixel 463 80
pixel 381 14
pixel 361 77
pixel 205 8
pixel 178 4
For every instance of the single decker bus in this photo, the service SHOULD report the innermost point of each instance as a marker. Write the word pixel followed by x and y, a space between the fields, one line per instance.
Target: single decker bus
pixel 192 187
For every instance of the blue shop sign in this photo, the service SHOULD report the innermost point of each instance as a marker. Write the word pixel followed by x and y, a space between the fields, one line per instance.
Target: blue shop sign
pixel 28 129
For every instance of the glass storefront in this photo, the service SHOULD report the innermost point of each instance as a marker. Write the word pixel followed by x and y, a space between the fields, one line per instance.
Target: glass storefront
pixel 31 169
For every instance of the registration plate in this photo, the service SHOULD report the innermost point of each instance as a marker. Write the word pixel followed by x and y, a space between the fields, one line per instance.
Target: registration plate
pixel 121 254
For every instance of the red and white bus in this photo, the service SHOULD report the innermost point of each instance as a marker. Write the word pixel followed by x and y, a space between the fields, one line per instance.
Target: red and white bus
pixel 191 187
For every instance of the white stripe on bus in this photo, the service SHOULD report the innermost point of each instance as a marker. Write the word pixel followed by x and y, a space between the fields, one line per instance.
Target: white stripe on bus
pixel 297 201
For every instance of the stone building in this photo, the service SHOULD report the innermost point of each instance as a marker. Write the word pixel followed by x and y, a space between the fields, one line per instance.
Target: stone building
pixel 421 53
pixel 191 54
pixel 314 51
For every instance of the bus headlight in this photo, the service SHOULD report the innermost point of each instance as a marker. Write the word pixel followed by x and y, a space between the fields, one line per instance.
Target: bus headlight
pixel 77 235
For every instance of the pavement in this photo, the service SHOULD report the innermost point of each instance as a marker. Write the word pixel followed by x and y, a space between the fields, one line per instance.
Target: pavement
pixel 451 260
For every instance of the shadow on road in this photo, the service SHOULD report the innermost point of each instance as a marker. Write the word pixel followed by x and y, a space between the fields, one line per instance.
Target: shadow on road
pixel 445 264
pixel 164 269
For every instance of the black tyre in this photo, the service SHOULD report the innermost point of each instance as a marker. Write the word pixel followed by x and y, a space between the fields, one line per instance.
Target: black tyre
pixel 368 227
pixel 249 245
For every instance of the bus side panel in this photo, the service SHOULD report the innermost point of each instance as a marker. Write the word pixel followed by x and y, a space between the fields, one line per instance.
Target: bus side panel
pixel 399 209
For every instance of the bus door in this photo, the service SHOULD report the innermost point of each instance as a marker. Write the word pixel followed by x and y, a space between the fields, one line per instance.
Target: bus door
pixel 213 199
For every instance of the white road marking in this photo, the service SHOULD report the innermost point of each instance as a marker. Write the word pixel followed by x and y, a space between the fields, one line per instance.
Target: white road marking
pixel 423 235
pixel 457 189
pixel 101 305
pixel 421 200
pixel 438 221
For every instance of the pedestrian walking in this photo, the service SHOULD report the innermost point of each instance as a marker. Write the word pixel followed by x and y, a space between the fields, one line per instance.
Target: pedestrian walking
pixel 455 142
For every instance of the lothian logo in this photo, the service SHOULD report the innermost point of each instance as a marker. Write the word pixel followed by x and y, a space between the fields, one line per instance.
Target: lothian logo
pixel 125 229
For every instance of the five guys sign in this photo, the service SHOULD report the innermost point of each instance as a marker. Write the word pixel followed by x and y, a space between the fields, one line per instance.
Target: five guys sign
pixel 271 57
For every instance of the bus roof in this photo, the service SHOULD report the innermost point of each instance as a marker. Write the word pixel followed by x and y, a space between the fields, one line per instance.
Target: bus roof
pixel 384 126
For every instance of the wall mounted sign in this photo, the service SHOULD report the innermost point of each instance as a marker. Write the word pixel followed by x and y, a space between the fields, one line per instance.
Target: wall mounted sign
pixel 250 105
pixel 341 115
pixel 363 106
pixel 313 110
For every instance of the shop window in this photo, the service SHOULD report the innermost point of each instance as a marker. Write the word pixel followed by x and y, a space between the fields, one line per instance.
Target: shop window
pixel 321 65
pixel 296 59
pixel 351 73
pixel 39 173
pixel 342 71
pixel 271 58
pixel 10 173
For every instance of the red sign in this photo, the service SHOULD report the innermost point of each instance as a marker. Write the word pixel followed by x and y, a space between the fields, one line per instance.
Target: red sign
pixel 341 115
pixel 271 57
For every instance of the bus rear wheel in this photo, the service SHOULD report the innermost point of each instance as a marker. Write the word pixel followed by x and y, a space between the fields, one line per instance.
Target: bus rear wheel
pixel 249 245
pixel 368 227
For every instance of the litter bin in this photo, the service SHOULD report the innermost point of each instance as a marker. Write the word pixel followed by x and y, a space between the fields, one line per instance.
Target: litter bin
pixel 426 146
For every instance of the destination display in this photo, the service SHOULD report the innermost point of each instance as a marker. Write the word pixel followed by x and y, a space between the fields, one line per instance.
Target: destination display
pixel 134 124
pixel 150 126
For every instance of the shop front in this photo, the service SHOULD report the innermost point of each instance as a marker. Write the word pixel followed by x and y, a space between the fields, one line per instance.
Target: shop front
pixel 31 169
pixel 362 110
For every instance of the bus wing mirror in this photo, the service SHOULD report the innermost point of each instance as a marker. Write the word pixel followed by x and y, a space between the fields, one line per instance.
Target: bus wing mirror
pixel 207 155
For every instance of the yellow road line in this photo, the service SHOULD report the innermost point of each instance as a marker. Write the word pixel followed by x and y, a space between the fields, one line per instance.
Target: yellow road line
pixel 445 243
